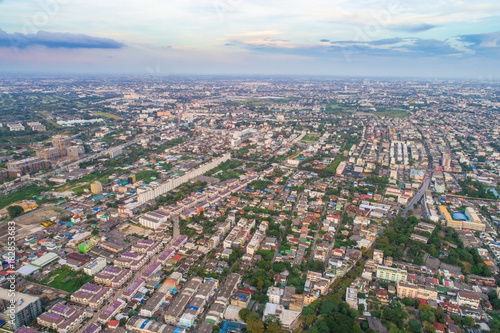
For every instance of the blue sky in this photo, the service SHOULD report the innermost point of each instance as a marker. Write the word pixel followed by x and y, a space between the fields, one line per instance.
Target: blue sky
pixel 439 38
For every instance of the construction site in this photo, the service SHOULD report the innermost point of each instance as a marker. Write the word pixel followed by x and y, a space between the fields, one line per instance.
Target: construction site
pixel 61 148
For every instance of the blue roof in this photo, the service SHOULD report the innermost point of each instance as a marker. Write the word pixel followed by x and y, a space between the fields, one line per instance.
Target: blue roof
pixel 459 217
pixel 230 326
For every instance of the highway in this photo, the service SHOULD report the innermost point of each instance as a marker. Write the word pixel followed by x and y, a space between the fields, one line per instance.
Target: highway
pixel 419 194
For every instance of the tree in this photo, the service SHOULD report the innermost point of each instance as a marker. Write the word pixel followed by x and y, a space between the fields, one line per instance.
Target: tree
pixel 415 326
pixel 427 315
pixel 15 211
pixel 274 327
pixel 468 321
pixel 95 231
pixel 255 325
pixel 244 314
pixel 328 307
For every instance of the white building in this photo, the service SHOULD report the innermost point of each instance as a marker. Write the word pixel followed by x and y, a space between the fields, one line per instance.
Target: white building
pixel 274 294
pixel 95 266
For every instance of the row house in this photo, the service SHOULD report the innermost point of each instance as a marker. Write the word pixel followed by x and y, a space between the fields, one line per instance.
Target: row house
pixel 62 318
pixel 113 276
pixel 91 295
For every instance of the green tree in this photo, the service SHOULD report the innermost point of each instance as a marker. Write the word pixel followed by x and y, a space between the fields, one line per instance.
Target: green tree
pixel 328 307
pixel 274 327
pixel 15 211
pixel 427 315
pixel 468 321
pixel 255 325
pixel 415 326
pixel 244 313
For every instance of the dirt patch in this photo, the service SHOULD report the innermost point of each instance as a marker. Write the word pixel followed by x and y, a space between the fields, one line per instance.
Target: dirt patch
pixel 29 223
pixel 132 229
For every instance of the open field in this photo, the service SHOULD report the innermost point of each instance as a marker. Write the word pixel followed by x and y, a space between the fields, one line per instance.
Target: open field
pixel 108 115
pixel 66 279
pixel 389 113
pixel 39 215
pixel 30 222
pixel 311 138
pixel 26 193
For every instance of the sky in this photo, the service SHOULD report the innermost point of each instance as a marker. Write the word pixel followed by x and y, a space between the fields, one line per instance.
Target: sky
pixel 362 38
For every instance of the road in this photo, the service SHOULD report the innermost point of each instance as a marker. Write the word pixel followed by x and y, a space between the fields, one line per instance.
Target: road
pixel 419 194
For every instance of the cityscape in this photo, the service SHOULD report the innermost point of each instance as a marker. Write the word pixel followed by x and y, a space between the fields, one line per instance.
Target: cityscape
pixel 237 166
pixel 260 204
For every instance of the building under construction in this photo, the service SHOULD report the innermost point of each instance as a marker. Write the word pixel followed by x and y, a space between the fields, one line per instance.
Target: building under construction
pixel 61 147
pixel 27 165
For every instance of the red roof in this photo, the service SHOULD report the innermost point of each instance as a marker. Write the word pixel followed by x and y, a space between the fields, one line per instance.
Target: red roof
pixel 113 323
pixel 177 257
pixel 440 327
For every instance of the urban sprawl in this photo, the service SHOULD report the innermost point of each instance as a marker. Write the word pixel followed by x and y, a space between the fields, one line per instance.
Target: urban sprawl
pixel 211 204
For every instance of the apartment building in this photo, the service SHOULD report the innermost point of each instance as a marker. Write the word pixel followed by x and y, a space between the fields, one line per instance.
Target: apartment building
pixel 410 290
pixel 95 266
pixel 26 309
pixel 467 299
pixel 391 274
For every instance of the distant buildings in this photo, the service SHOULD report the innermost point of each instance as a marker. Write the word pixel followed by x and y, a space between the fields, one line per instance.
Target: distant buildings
pixel 27 165
pixel 61 147
pixel 15 127
pixel 37 126
pixel 115 152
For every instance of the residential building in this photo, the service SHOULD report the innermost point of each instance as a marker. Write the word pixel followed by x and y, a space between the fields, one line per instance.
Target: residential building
pixel 26 309
pixel 391 274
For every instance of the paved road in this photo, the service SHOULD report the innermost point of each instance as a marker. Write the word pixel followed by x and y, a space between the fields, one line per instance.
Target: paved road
pixel 419 194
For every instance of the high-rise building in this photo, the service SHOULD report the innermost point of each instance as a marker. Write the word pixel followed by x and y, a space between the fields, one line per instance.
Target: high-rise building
pixel 18 309
pixel 96 187
pixel 61 141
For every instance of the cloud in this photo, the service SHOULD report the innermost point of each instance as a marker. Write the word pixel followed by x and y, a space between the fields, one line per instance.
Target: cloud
pixel 430 47
pixel 388 47
pixel 482 40
pixel 412 28
pixel 387 41
pixel 57 40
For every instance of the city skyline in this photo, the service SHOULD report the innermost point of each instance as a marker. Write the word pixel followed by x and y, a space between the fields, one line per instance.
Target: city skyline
pixel 391 38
